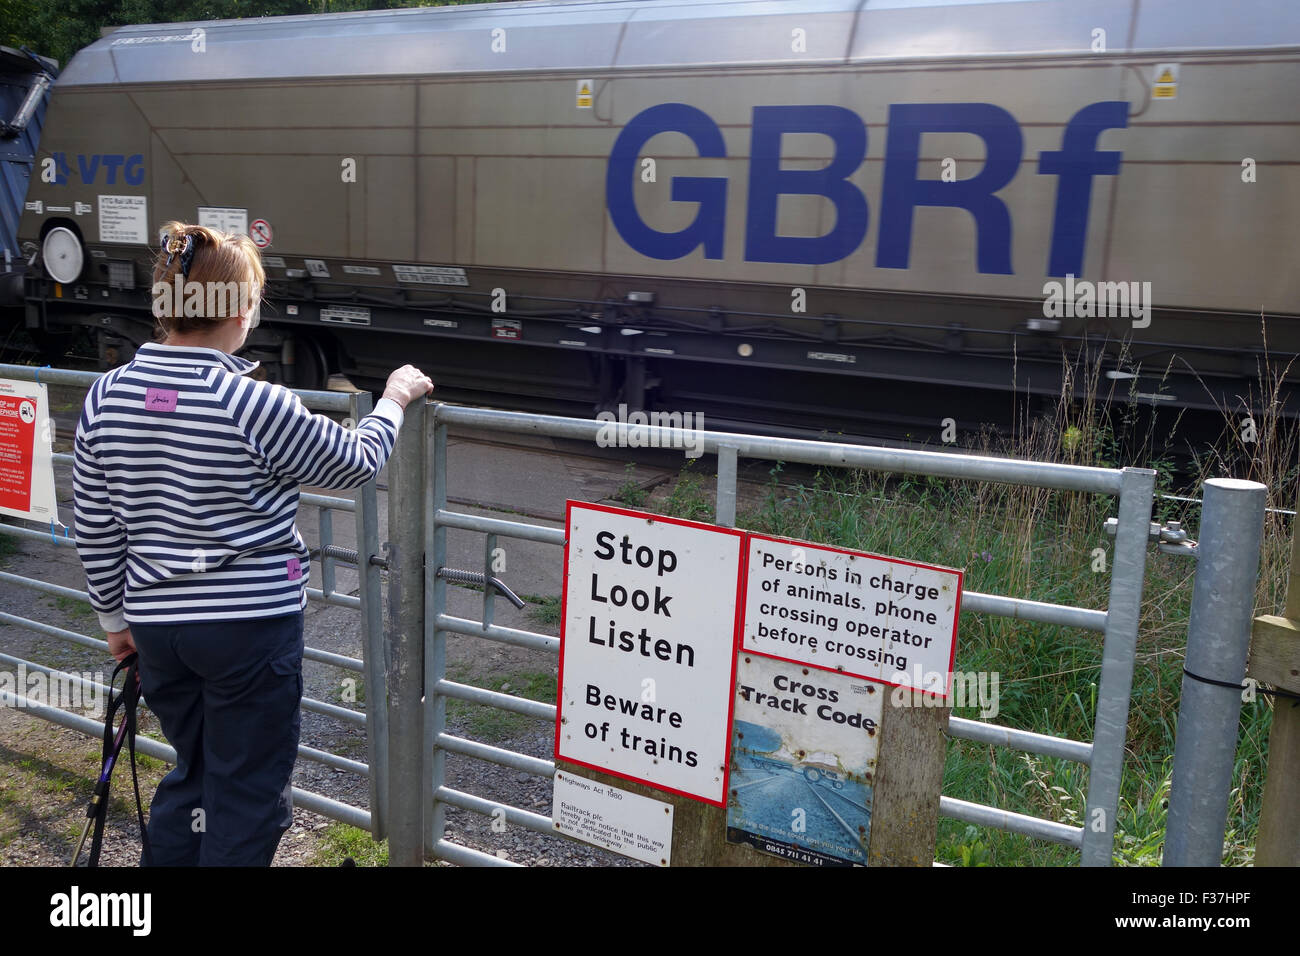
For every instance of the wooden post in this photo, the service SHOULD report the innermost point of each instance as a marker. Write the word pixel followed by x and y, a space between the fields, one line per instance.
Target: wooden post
pixel 1275 659
pixel 905 810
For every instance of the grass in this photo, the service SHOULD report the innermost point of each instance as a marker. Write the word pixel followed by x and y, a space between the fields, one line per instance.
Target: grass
pixel 9 546
pixel 1040 545
pixel 544 610
pixel 351 691
pixel 630 493
pixel 49 790
pixel 690 496
pixel 489 723
pixel 340 841
pixel 76 609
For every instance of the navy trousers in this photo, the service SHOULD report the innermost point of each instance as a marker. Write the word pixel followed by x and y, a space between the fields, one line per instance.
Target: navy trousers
pixel 227 695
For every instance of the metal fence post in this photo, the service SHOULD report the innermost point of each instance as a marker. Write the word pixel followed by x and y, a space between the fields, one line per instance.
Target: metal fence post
pixel 1218 640
pixel 1137 490
pixel 404 630
pixel 725 513
pixel 434 715
pixel 369 584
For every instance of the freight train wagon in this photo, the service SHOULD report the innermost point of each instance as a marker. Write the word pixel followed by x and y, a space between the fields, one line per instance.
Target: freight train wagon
pixel 25 80
pixel 794 213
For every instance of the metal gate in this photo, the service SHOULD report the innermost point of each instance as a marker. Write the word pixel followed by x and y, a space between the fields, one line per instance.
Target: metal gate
pixel 421 626
pixel 404 663
pixel 363 504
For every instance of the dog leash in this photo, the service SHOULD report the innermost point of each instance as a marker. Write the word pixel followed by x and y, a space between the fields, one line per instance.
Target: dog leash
pixel 97 811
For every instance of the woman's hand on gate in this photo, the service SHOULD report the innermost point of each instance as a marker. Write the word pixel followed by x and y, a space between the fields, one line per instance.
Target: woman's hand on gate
pixel 407 384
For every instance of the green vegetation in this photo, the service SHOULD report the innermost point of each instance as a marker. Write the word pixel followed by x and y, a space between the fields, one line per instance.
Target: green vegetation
pixel 9 546
pixel 76 608
pixel 488 723
pixel 630 493
pixel 1042 545
pixel 338 841
pixel 691 496
pixel 351 691
pixel 59 30
pixel 544 610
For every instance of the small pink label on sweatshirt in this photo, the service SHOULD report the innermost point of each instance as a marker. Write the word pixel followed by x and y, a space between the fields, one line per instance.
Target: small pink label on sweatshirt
pixel 160 399
pixel 295 569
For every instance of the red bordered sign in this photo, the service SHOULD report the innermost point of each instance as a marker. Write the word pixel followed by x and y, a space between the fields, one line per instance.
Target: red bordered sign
pixel 260 231
pixel 648 640
pixel 861 614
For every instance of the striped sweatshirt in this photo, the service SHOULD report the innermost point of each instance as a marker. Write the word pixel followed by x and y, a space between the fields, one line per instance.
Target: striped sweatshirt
pixel 185 485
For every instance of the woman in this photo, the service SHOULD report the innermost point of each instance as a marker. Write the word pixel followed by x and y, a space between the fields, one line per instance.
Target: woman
pixel 185 485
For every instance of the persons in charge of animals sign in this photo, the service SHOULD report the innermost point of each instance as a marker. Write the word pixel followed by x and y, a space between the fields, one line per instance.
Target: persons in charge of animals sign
pixel 881 618
pixel 647 648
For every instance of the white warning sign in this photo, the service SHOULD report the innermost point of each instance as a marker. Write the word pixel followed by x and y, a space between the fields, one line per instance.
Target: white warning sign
pixel 647 648
pixel 124 219
pixel 431 275
pixel 26 465
pixel 868 616
pixel 229 219
pixel 585 88
pixel 618 820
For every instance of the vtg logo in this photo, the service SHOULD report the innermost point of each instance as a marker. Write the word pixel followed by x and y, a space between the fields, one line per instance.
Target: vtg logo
pixel 1075 164
pixel 55 168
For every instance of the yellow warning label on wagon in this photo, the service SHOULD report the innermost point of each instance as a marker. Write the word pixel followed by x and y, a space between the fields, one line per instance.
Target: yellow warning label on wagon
pixel 584 94
pixel 1164 81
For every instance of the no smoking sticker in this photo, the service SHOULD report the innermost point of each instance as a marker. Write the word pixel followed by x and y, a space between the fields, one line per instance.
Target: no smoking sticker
pixel 260 231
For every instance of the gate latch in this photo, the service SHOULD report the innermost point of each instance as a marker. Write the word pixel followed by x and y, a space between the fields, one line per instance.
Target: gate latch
pixel 479 578
pixel 1172 537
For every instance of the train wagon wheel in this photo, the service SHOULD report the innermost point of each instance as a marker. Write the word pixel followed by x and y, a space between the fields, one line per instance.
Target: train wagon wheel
pixel 309 368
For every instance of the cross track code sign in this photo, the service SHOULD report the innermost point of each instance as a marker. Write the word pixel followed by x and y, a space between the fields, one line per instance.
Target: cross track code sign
pixel 647 648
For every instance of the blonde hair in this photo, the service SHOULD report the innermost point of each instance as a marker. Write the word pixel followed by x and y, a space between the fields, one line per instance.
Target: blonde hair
pixel 218 257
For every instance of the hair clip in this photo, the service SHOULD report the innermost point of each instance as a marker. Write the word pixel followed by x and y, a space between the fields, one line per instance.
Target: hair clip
pixel 174 245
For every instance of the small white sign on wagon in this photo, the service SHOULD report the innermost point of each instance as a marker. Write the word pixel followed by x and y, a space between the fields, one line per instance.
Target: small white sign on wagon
pixel 869 616
pixel 647 648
